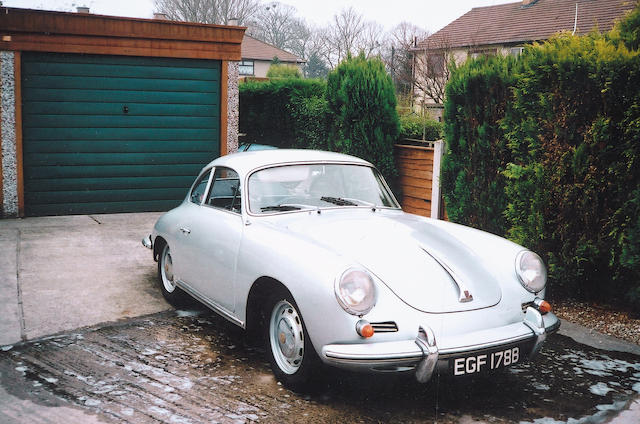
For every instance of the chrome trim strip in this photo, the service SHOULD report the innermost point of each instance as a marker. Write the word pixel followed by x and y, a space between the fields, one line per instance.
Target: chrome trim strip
pixel 224 313
pixel 462 349
pixel 377 362
pixel 381 357
pixel 464 294
pixel 416 355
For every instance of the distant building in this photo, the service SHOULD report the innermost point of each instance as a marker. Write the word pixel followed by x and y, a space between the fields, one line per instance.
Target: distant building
pixel 505 29
pixel 257 56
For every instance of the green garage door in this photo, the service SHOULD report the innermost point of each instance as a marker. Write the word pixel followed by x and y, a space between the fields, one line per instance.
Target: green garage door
pixel 104 134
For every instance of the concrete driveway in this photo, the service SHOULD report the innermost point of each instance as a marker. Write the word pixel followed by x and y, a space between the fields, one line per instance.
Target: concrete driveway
pixel 62 273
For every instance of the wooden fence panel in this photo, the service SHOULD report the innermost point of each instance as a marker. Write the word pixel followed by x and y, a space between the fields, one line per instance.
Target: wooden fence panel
pixel 415 166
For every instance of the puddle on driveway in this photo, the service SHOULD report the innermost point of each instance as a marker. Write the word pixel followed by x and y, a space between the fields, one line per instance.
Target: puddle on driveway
pixel 188 367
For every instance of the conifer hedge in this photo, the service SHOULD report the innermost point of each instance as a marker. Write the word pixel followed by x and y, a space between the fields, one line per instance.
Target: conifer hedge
pixel 354 112
pixel 554 140
pixel 363 119
pixel 472 170
pixel 286 113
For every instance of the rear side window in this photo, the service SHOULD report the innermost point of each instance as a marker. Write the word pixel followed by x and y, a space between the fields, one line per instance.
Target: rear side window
pixel 225 190
pixel 200 188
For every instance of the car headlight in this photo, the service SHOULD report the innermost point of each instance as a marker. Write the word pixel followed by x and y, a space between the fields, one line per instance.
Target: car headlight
pixel 356 291
pixel 531 271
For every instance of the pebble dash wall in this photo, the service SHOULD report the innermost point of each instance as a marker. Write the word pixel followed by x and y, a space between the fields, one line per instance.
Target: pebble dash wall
pixel 8 165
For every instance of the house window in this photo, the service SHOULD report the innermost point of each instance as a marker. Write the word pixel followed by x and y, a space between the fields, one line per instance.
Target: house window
pixel 516 51
pixel 246 67
pixel 483 52
pixel 435 63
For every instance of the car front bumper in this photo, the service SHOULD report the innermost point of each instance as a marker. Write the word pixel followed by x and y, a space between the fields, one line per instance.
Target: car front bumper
pixel 425 355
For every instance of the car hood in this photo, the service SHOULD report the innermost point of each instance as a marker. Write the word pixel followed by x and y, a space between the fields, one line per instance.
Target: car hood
pixel 423 264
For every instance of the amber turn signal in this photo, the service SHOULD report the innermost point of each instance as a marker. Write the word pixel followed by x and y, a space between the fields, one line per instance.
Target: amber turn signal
pixel 364 328
pixel 542 305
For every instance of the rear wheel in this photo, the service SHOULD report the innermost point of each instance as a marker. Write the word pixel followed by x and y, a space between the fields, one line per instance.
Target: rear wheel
pixel 290 352
pixel 171 292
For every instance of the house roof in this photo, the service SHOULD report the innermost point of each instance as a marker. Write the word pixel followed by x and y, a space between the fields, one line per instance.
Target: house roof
pixel 517 23
pixel 259 50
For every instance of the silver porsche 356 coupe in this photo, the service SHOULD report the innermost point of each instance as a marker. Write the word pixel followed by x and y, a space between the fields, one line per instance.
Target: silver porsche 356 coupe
pixel 312 250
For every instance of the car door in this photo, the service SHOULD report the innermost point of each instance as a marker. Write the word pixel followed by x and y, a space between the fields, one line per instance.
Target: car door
pixel 212 239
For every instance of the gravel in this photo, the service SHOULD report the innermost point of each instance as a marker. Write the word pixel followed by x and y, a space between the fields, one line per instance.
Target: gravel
pixel 603 318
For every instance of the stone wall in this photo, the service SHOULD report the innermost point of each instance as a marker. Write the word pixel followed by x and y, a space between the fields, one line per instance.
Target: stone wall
pixel 233 110
pixel 9 165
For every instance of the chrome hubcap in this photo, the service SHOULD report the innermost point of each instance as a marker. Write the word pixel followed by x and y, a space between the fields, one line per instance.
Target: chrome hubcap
pixel 167 271
pixel 287 337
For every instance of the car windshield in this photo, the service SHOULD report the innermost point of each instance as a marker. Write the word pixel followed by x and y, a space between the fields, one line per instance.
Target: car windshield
pixel 312 186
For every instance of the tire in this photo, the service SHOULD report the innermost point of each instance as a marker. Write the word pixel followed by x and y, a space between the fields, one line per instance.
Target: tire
pixel 170 291
pixel 291 355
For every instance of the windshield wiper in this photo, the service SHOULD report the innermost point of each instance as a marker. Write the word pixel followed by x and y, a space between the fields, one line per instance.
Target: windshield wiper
pixel 338 201
pixel 280 208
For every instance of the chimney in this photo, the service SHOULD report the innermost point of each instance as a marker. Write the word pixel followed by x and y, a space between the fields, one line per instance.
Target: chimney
pixel 233 21
pixel 160 15
pixel 526 3
pixel 82 9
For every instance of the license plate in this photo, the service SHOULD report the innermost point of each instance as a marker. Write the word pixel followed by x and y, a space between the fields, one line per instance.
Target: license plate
pixel 488 361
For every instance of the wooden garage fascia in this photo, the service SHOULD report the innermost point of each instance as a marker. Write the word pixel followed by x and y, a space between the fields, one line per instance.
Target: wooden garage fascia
pixel 84 33
pixel 61 32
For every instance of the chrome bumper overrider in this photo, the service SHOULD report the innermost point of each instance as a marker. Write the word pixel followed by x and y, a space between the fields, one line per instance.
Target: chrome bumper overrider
pixel 424 355
pixel 146 242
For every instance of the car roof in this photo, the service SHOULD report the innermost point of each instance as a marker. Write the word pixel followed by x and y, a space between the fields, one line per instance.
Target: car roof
pixel 245 162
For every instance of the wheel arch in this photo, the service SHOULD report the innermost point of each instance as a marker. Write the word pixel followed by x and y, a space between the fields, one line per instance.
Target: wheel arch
pixel 260 290
pixel 158 244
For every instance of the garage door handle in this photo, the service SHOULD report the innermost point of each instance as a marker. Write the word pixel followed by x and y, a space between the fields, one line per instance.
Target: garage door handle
pixel 185 230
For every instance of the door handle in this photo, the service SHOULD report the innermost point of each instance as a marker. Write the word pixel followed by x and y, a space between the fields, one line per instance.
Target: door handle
pixel 185 230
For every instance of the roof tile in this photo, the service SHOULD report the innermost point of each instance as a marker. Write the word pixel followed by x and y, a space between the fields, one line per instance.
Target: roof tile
pixel 515 23
pixel 259 50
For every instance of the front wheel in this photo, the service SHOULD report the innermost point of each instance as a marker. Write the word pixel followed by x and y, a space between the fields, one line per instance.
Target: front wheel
pixel 289 350
pixel 166 279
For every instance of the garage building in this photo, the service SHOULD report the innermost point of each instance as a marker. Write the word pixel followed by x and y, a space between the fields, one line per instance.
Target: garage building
pixel 104 114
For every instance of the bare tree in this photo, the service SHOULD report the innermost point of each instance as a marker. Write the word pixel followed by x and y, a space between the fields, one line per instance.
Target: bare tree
pixel 398 54
pixel 349 34
pixel 371 40
pixel 209 11
pixel 432 68
pixel 278 25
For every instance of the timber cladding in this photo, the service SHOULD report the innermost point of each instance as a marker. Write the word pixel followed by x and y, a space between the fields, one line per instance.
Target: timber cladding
pixel 415 166
pixel 36 30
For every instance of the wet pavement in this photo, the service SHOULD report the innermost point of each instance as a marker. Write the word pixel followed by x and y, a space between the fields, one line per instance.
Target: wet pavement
pixel 192 367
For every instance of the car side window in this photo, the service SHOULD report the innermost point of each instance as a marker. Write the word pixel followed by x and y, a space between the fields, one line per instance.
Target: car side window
pixel 200 188
pixel 225 190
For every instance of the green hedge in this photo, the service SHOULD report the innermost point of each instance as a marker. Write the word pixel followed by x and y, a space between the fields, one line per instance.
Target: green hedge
pixel 283 71
pixel 553 140
pixel 574 173
pixel 286 113
pixel 415 126
pixel 472 170
pixel 354 112
pixel 363 119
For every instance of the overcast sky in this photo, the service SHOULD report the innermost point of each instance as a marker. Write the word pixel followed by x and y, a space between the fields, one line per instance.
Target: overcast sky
pixel 428 14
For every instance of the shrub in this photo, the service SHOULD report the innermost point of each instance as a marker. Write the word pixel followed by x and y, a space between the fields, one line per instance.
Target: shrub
pixel 309 115
pixel 415 126
pixel 362 106
pixel 477 153
pixel 283 71
pixel 545 150
pixel 574 173
pixel 282 112
pixel 628 30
